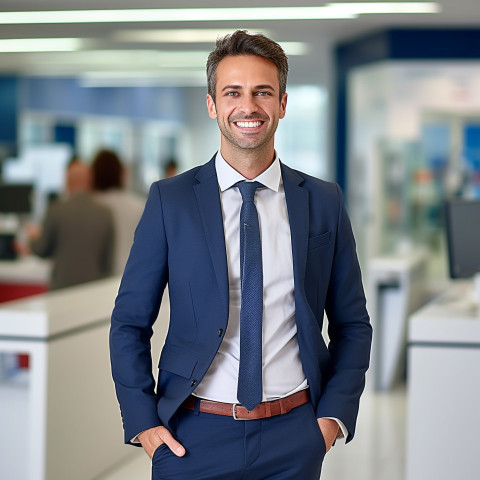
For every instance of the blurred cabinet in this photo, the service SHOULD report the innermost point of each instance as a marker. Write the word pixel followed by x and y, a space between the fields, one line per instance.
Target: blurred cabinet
pixel 73 428
pixel 444 387
pixel 396 288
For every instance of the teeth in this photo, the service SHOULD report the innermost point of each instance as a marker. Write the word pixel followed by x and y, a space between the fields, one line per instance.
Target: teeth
pixel 248 124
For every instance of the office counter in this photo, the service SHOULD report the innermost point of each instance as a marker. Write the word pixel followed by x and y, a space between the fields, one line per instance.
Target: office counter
pixel 443 417
pixel 396 287
pixel 74 427
pixel 23 277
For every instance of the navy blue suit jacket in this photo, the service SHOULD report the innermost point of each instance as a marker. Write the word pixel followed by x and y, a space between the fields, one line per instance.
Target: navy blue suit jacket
pixel 180 242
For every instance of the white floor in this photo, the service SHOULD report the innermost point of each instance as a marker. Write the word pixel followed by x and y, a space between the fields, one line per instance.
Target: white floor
pixel 376 453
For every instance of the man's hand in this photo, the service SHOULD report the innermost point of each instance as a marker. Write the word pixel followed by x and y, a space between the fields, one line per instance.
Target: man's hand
pixel 329 430
pixel 152 438
pixel 32 231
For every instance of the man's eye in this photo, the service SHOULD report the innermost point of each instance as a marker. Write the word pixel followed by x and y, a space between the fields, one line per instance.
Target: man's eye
pixel 263 94
pixel 232 94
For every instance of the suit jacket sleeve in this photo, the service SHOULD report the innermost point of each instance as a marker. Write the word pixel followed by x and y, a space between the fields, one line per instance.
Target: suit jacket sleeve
pixel 45 245
pixel 136 309
pixel 349 330
pixel 109 247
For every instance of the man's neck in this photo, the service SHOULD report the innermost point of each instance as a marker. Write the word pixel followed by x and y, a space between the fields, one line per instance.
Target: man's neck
pixel 249 163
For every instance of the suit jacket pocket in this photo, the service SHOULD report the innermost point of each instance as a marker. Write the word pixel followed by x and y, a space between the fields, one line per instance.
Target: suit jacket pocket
pixel 319 241
pixel 177 360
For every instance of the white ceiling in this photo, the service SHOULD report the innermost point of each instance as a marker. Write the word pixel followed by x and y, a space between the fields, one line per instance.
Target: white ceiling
pixel 318 34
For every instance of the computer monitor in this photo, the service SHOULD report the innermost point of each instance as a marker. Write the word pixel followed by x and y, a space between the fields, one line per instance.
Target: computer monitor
pixel 462 222
pixel 7 249
pixel 16 198
pixel 462 225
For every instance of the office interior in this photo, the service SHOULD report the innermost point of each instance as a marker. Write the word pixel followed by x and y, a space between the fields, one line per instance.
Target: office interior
pixel 387 105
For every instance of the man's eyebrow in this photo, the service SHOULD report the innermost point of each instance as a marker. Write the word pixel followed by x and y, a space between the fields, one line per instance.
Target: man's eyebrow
pixel 239 87
pixel 264 87
pixel 231 87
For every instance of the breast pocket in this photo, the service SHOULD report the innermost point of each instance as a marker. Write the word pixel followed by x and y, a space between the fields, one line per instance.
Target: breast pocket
pixel 319 241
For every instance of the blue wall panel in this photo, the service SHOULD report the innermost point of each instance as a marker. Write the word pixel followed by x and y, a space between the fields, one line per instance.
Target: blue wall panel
pixel 8 113
pixel 66 96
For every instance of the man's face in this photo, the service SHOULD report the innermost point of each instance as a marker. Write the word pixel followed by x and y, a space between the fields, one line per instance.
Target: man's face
pixel 248 106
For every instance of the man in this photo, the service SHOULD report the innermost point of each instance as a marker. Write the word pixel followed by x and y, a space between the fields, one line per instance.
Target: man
pixel 300 395
pixel 77 233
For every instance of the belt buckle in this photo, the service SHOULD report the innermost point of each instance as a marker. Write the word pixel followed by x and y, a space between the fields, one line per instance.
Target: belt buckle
pixel 234 413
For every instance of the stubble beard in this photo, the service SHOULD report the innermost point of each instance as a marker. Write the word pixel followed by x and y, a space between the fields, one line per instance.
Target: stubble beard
pixel 244 143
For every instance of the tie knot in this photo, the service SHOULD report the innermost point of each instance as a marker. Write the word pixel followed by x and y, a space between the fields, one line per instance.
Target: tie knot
pixel 247 189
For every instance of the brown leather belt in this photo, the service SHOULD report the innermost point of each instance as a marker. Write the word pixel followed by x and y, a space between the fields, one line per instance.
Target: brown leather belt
pixel 262 410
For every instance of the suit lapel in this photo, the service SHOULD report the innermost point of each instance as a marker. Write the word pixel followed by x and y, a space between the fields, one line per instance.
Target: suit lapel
pixel 298 214
pixel 208 198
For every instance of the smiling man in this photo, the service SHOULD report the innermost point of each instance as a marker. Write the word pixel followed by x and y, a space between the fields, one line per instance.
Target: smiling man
pixel 248 106
pixel 254 254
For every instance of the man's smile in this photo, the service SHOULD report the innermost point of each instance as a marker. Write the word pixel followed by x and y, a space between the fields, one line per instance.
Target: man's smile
pixel 249 124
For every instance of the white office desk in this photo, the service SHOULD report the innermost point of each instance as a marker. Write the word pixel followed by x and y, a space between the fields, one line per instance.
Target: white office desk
pixel 444 388
pixel 396 287
pixel 23 277
pixel 25 270
pixel 74 426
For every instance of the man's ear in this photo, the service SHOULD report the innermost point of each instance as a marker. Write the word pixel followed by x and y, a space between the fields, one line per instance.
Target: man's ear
pixel 283 105
pixel 212 111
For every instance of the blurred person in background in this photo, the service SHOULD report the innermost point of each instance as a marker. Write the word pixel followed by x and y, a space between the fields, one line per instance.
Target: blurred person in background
pixel 77 233
pixel 170 168
pixel 109 178
pixel 53 196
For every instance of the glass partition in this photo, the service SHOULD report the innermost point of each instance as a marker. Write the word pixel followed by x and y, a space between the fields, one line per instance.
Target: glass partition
pixel 414 141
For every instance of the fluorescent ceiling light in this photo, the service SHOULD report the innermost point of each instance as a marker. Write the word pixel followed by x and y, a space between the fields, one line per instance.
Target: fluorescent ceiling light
pixel 105 59
pixel 194 36
pixel 127 78
pixel 81 46
pixel 15 45
pixel 178 59
pixel 145 73
pixel 329 11
pixel 361 8
pixel 175 36
pixel 168 15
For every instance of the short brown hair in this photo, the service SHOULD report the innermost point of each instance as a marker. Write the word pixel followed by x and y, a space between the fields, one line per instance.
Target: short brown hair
pixel 107 170
pixel 241 42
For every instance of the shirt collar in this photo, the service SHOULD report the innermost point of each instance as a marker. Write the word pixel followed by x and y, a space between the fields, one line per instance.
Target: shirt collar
pixel 228 176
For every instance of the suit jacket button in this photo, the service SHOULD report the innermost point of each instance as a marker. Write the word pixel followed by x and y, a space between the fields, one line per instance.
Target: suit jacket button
pixel 194 382
pixel 220 332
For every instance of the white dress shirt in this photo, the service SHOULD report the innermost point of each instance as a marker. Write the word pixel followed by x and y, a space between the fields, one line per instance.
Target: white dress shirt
pixel 282 369
pixel 282 372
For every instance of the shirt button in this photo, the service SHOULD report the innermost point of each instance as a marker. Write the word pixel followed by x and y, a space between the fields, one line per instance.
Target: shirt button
pixel 220 332
pixel 194 382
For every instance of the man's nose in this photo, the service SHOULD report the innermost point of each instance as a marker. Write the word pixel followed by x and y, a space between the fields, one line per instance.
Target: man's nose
pixel 249 104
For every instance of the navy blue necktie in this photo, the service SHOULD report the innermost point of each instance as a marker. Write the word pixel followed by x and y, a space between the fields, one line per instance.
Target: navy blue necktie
pixel 249 390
